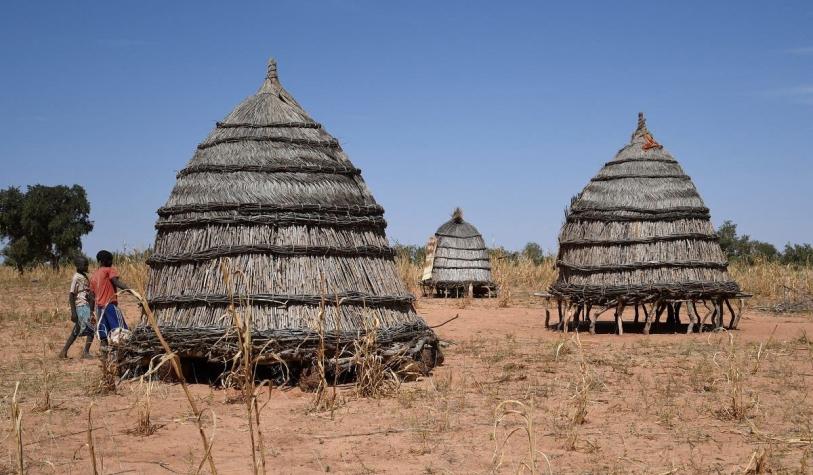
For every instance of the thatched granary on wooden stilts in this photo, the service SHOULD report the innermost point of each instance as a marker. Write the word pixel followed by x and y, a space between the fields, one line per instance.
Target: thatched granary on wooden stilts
pixel 457 261
pixel 639 236
pixel 271 197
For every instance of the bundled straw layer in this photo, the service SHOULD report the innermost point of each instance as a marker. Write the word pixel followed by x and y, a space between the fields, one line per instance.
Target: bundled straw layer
pixel 639 231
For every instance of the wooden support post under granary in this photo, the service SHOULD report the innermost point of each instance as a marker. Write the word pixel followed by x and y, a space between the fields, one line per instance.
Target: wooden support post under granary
pixel 271 203
pixel 639 235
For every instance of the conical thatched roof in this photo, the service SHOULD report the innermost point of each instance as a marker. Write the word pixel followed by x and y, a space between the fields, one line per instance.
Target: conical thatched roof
pixel 272 193
pixel 640 231
pixel 460 256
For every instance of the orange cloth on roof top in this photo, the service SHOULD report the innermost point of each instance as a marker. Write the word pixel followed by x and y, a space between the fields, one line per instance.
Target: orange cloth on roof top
pixel 102 286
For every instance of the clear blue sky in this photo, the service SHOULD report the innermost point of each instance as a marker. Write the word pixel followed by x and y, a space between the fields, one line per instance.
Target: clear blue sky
pixel 504 108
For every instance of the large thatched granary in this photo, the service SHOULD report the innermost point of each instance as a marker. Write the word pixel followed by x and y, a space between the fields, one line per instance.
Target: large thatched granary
pixel 639 235
pixel 457 261
pixel 270 197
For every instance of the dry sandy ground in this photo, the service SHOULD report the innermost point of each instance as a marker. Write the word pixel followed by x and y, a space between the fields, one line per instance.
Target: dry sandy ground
pixel 666 403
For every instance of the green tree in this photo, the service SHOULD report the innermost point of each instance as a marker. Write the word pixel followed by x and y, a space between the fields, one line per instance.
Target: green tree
pixel 533 252
pixel 415 254
pixel 799 254
pixel 743 247
pixel 44 224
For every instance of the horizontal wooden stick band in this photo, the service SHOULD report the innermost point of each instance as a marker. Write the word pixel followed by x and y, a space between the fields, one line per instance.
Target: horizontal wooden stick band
pixel 157 260
pixel 279 300
pixel 456 248
pixel 276 125
pixel 460 283
pixel 442 267
pixel 458 237
pixel 346 210
pixel 641 265
pixel 632 294
pixel 609 214
pixel 289 345
pixel 601 217
pixel 276 219
pixel 633 209
pixel 620 177
pixel 335 170
pixel 641 159
pixel 332 143
pixel 643 240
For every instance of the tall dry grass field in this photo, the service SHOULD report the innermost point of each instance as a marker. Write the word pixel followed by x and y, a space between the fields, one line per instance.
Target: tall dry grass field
pixel 774 285
pixel 771 283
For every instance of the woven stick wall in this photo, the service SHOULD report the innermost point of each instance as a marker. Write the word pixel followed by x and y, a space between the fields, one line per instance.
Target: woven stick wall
pixel 273 193
pixel 461 258
pixel 639 231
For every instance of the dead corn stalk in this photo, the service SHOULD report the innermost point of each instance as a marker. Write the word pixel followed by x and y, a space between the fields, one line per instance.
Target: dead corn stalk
pixel 176 366
pixel 17 428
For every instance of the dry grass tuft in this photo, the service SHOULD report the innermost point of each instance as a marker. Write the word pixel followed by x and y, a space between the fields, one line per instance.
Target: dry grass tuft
pixel 734 364
pixel 373 378
pixel 44 402
pixel 523 413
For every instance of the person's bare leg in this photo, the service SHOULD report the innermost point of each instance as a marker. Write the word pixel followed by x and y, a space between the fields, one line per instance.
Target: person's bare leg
pixel 86 352
pixel 71 338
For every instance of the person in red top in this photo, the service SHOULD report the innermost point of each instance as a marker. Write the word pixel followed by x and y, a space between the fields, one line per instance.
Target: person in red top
pixel 103 284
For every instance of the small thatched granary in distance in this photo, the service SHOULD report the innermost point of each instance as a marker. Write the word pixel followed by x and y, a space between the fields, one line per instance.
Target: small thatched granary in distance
pixel 270 197
pixel 457 261
pixel 639 235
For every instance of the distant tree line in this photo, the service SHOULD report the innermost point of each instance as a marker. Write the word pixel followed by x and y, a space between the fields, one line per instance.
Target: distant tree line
pixel 743 248
pixel 736 247
pixel 45 225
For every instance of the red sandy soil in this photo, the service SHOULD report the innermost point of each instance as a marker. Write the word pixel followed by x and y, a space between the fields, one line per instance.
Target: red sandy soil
pixel 654 404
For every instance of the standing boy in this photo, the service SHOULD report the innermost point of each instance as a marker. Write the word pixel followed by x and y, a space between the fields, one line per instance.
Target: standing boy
pixel 81 301
pixel 104 283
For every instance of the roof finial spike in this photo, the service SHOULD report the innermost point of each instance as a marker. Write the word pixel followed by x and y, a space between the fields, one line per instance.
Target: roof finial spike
pixel 641 130
pixel 457 215
pixel 272 69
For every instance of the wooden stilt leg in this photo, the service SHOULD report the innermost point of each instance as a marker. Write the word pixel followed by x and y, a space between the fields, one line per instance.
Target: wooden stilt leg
pixel 718 322
pixel 636 313
pixel 574 322
pixel 733 314
pixel 471 291
pixel 547 316
pixel 677 312
pixel 619 320
pixel 712 313
pixel 659 312
pixel 561 316
pixel 568 316
pixel 740 304
pixel 692 311
pixel 648 315
pixel 670 315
